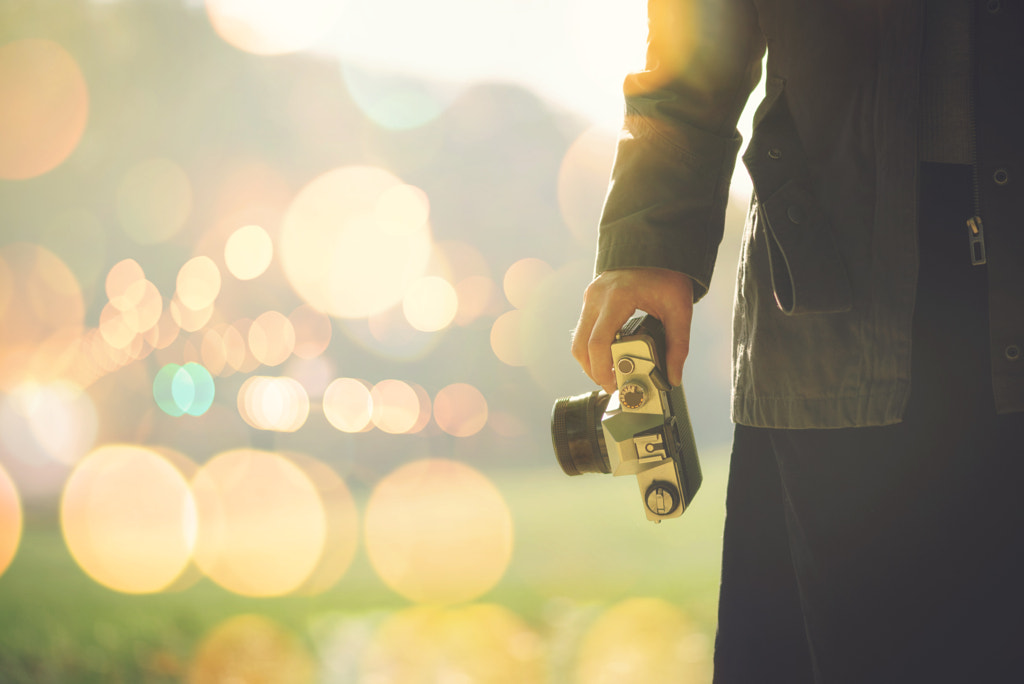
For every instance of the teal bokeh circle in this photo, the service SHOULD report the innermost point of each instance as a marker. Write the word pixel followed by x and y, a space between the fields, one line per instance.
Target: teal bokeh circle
pixel 184 389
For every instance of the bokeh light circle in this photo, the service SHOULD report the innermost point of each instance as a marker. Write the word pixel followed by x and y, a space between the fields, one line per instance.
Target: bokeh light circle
pixel 425 410
pixel 218 351
pixel 430 304
pixel 184 389
pixel 583 181
pixel 44 106
pixel 342 524
pixel 401 209
pixel 279 404
pixel 198 283
pixel 506 338
pixel 146 307
pixel 348 406
pixel 48 422
pixel 41 316
pixel 235 351
pixel 262 526
pixel 522 279
pixel 350 244
pixel 462 265
pixel 248 252
pixel 474 643
pixel 153 200
pixel 239 334
pixel 114 329
pixel 251 649
pixel 271 27
pixel 121 279
pixel 188 319
pixel 460 410
pixel 395 101
pixel 128 518
pixel 11 520
pixel 643 640
pixel 396 406
pixel 271 338
pixel 438 531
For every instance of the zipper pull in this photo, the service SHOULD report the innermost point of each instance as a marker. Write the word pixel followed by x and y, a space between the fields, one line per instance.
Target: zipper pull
pixel 976 237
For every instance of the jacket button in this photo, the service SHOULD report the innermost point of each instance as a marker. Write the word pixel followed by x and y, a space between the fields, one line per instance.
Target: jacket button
pixel 795 214
pixel 993 6
pixel 774 153
pixel 1001 177
pixel 1012 352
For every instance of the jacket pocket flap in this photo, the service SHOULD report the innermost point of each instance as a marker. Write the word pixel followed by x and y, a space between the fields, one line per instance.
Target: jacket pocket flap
pixel 808 275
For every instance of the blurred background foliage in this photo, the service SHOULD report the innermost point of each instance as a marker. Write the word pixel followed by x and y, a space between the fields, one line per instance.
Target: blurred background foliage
pixel 374 451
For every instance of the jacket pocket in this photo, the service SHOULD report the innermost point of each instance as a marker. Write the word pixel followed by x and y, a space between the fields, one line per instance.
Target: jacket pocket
pixel 807 272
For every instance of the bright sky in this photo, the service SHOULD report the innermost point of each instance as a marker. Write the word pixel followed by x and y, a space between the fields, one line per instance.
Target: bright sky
pixel 574 52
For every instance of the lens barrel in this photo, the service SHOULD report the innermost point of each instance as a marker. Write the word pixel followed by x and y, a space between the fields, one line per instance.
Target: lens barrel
pixel 577 436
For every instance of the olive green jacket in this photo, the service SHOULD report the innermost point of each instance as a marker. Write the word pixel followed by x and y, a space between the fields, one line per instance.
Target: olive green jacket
pixel 826 284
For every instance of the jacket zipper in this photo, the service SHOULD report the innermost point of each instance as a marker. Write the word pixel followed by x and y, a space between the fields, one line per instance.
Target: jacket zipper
pixel 975 227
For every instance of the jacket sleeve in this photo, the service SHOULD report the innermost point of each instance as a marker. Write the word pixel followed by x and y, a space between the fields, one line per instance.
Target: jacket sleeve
pixel 666 201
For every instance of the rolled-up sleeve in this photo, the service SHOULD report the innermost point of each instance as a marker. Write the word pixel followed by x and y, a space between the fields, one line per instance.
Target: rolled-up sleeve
pixel 669 186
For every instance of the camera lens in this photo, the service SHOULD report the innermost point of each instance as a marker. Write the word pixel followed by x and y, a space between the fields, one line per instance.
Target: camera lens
pixel 577 435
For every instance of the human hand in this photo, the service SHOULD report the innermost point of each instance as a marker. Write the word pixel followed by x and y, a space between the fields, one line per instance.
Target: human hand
pixel 609 301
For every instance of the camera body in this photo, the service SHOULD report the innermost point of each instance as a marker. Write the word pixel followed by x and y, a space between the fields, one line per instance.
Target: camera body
pixel 641 429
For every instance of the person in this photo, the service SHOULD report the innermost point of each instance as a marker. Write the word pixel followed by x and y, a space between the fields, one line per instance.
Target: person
pixel 874 513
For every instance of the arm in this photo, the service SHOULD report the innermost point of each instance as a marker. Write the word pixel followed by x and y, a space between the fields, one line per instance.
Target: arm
pixel 665 210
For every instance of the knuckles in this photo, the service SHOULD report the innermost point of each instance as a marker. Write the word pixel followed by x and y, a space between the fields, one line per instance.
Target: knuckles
pixel 615 295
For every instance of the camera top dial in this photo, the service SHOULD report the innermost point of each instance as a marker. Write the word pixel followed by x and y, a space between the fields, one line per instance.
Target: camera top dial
pixel 633 395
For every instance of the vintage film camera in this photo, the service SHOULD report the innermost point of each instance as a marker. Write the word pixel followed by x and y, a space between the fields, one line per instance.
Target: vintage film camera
pixel 641 429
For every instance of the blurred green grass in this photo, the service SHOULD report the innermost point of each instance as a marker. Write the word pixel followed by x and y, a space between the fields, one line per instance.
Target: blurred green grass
pixel 581 545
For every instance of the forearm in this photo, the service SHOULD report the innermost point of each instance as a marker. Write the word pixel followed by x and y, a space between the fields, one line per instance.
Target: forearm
pixel 666 202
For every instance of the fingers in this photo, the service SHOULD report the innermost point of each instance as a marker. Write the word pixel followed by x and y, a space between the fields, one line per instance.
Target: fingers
pixel 581 337
pixel 599 347
pixel 612 298
pixel 600 320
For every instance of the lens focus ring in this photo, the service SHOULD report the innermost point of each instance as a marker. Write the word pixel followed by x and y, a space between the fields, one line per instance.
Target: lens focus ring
pixel 560 437
pixel 577 435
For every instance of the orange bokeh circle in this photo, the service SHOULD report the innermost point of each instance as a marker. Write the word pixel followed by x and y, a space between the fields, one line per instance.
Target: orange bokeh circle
pixel 438 531
pixel 44 105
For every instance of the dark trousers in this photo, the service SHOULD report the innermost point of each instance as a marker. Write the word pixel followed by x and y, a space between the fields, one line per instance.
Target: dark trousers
pixel 895 553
